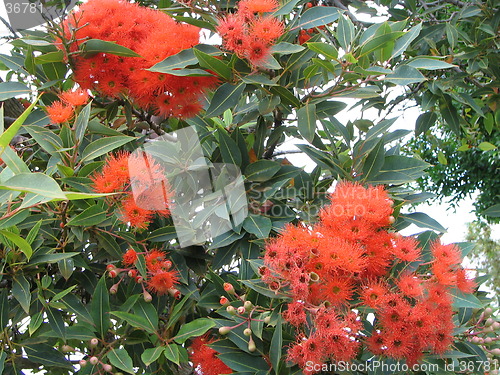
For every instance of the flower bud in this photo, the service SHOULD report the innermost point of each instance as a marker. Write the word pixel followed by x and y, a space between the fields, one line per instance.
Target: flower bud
pixel 241 310
pixel 496 326
pixel 132 274
pixel 248 305
pixel 110 267
pixel 247 332
pixel 94 360
pixel 167 264
pixel 94 342
pixel 392 220
pixel 488 340
pixel 488 311
pixel 139 279
pixel 107 368
pixel 113 273
pixel 224 301
pixel 251 345
pixel 174 293
pixel 67 349
pixel 147 297
pixel 82 363
pixel 224 330
pixel 229 288
pixel 113 289
pixel 489 322
pixel 496 352
pixel 475 340
pixel 267 319
pixel 231 310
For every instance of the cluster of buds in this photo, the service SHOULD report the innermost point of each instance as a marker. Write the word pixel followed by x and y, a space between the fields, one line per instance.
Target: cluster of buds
pixel 486 333
pixel 245 311
pixel 93 359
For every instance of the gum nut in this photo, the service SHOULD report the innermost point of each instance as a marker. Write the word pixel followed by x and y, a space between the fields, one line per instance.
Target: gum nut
pixel 94 360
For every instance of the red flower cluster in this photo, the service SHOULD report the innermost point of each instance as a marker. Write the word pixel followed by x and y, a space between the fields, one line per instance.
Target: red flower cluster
pixel 205 358
pixel 161 277
pixel 152 192
pixel 63 110
pixel 250 34
pixel 350 256
pixel 154 36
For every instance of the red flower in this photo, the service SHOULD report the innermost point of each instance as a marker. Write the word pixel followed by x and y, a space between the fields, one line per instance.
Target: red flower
pixel 134 215
pixel 59 112
pixel 129 258
pixel 406 249
pixel 75 98
pixel 162 281
pixel 205 358
pixel 257 6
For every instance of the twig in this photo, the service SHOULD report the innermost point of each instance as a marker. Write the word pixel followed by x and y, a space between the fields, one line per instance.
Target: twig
pixel 278 121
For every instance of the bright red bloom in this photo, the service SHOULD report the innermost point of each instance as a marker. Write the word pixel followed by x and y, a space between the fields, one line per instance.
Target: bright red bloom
pixel 257 6
pixel 205 358
pixel 374 293
pixel 406 249
pixel 446 254
pixel 155 260
pixel 410 285
pixel 75 98
pixel 59 112
pixel 162 281
pixel 134 215
pixel 267 28
pixel 464 283
pixel 129 258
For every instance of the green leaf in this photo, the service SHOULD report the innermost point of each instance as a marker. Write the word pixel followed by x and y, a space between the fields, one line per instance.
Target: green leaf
pixel 405 75
pixel 4 309
pixel 214 64
pixel 103 146
pixel 493 211
pixel 450 114
pixel 345 32
pixel 82 122
pixel 244 362
pixel 258 225
pixel 37 183
pixel 327 50
pixel 374 161
pixel 94 46
pixel 171 352
pixel 3 356
pixel 307 121
pixel 177 312
pixel 50 258
pixel 20 242
pixel 378 42
pixel 152 354
pixel 225 97
pixel 195 328
pixel 489 123
pixel 35 322
pixel 14 162
pixel 316 16
pixel 276 346
pixel 486 146
pixel 402 43
pixel 284 48
pixel 229 149
pixel 8 134
pixel 424 122
pixel 451 34
pixel 148 312
pixel 465 300
pixel 423 221
pixel 99 309
pixel 11 89
pixel 429 63
pixel 21 292
pixel 121 359
pixel 66 267
pixel 15 219
pixel 262 170
pixel 46 355
pixel 91 216
pixel 189 72
pixel 46 138
pixel 258 79
pixel 62 294
pixel 134 320
pixel 183 59
pixel 56 322
pixel 262 288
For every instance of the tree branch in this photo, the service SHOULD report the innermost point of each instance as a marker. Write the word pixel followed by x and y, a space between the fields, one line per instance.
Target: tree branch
pixel 278 121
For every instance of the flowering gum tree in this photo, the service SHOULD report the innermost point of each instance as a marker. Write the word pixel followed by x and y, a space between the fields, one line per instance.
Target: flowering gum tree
pixel 298 272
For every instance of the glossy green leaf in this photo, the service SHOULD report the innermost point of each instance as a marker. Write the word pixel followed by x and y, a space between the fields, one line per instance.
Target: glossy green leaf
pixel 261 170
pixel 450 114
pixel 316 16
pixel 258 225
pixel 429 64
pixel 103 146
pixel 423 220
pixel 345 32
pixel 82 121
pixel 4 309
pixel 225 97
pixel 3 356
pixel 307 121
pixel 405 75
pixel 183 59
pixel 374 161
pixel 8 134
pixel 402 43
pixel 91 216
pixel 11 89
pixel 193 329
pixel 46 138
pixel 35 322
pixel 37 183
pixel 262 288
pixel 134 320
pixel 214 64
pixel 171 352
pixel 465 300
pixel 424 122
pixel 493 211
pixel 121 359
pixel 66 267
pixel 152 354
pixel 147 311
pixel 177 312
pixel 13 161
pixel 276 346
pixel 284 48
pixel 378 42
pixel 244 362
pixel 15 219
pixel 94 46
pixel 46 355
pixel 229 149
pixel 99 309
pixel 486 146
pixel 325 49
pixel 21 292
pixel 20 242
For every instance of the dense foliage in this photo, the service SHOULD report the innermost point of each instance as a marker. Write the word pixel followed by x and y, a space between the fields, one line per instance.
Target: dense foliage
pixel 149 223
